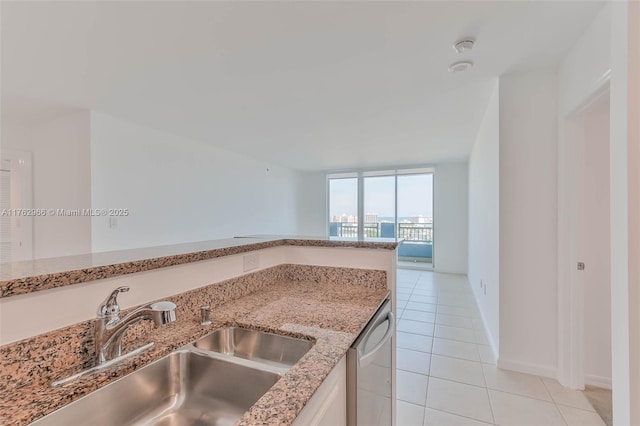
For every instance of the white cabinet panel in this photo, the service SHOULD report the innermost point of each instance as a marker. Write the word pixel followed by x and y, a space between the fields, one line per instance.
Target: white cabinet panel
pixel 328 406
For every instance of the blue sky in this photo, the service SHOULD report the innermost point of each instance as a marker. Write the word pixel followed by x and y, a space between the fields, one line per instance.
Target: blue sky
pixel 415 193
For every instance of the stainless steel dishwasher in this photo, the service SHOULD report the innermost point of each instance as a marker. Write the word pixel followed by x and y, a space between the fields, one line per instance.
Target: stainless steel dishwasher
pixel 369 372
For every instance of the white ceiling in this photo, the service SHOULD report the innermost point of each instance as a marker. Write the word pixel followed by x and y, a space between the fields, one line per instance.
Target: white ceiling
pixel 308 85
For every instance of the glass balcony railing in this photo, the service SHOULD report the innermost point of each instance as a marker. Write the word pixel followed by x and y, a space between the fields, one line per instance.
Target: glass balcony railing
pixel 407 231
pixel 418 237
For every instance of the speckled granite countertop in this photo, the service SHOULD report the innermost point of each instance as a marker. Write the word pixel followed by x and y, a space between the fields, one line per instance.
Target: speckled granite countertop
pixel 41 274
pixel 332 312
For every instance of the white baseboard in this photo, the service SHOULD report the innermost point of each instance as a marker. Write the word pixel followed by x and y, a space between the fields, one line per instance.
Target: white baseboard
pixel 492 342
pixel 598 381
pixel 523 367
pixel 449 271
pixel 507 364
pixel 417 267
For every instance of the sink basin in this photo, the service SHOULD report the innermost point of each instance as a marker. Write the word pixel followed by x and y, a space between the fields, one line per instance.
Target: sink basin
pixel 266 348
pixel 183 388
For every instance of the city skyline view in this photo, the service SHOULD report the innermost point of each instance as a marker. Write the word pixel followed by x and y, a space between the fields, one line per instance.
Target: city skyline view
pixel 415 195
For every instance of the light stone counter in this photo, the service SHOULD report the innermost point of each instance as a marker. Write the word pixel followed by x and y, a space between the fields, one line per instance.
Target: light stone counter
pixel 326 304
pixel 42 274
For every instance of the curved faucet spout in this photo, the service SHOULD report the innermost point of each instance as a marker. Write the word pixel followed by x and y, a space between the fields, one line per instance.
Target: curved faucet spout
pixel 110 328
pixel 163 312
pixel 160 313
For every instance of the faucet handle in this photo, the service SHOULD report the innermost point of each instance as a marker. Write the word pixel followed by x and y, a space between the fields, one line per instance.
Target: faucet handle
pixel 109 308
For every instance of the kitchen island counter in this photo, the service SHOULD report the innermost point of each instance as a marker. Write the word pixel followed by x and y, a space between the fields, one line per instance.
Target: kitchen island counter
pixel 325 304
pixel 41 274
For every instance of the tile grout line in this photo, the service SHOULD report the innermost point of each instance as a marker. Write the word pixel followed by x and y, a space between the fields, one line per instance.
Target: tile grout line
pixel 493 415
pixel 477 344
pixel 458 415
pixel 429 375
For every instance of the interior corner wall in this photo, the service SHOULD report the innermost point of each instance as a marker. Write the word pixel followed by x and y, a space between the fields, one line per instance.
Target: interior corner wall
pixel 528 222
pixel 450 202
pixel 180 190
pixel 484 219
pixel 312 204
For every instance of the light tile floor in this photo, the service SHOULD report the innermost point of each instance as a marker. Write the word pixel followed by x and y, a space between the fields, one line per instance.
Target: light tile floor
pixel 447 374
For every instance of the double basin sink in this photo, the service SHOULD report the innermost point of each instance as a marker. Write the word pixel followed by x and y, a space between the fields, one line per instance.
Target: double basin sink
pixel 212 381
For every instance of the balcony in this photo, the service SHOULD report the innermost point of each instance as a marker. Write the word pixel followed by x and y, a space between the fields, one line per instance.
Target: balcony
pixel 418 237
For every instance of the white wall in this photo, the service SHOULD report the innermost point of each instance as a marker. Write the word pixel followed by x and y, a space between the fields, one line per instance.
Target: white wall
pixel 61 178
pixel 450 200
pixel 582 77
pixel 587 64
pixel 484 219
pixel 595 246
pixel 528 220
pixel 312 204
pixel 15 135
pixel 633 142
pixel 613 42
pixel 625 201
pixel 181 190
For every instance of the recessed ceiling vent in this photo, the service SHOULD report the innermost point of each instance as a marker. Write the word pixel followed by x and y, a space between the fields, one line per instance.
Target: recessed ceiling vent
pixel 464 45
pixel 460 66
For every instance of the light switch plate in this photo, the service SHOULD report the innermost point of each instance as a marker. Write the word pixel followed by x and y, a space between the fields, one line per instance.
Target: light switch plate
pixel 251 262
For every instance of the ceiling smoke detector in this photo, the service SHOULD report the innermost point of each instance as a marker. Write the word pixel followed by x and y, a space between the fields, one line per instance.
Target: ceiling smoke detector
pixel 460 66
pixel 464 45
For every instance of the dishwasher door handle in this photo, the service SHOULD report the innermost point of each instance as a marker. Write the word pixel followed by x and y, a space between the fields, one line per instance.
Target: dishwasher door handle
pixel 365 359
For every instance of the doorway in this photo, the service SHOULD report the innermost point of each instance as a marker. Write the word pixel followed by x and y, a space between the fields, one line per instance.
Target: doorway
pixel 595 244
pixel 16 213
pixel 584 246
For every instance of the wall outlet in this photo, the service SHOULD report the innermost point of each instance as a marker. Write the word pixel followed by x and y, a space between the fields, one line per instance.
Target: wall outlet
pixel 251 262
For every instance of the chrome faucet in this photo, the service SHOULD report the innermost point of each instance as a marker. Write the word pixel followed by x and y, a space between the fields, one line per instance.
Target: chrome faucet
pixel 110 328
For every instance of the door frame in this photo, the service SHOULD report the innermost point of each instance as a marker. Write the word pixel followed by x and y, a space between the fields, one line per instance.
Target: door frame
pixel 570 224
pixel 21 173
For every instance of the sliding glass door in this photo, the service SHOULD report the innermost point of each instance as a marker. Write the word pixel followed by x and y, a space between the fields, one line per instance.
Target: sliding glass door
pixel 379 206
pixel 415 217
pixel 343 206
pixel 385 204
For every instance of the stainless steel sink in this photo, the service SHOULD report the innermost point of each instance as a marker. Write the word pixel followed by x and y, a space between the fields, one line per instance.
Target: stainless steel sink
pixel 183 388
pixel 266 348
